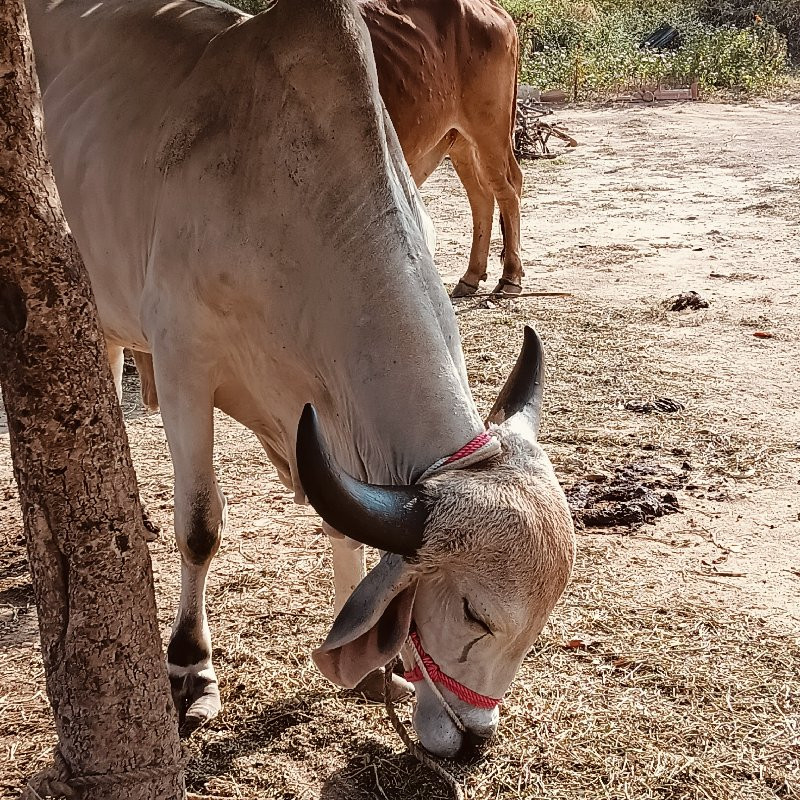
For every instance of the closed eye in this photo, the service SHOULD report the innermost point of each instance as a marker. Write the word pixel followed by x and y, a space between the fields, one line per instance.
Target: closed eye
pixel 473 617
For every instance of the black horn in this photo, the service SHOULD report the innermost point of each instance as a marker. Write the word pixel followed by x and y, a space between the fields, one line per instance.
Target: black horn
pixel 391 518
pixel 522 393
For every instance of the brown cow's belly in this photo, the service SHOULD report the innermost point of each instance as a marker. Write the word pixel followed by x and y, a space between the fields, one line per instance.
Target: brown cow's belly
pixel 417 73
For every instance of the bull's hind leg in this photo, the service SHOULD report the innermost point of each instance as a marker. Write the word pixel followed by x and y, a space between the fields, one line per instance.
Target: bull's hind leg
pixel 200 510
pixel 481 203
pixel 147 380
pixel 116 360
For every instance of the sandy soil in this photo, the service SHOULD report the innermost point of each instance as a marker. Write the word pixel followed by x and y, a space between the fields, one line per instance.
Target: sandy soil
pixel 658 201
pixel 654 202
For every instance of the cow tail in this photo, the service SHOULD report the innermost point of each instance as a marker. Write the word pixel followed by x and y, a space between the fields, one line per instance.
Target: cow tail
pixel 511 133
pixel 516 89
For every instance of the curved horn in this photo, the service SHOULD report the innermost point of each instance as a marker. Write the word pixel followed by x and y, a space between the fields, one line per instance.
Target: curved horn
pixel 522 393
pixel 390 518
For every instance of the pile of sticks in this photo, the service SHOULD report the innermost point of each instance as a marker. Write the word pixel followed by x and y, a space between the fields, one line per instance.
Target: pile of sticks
pixel 531 134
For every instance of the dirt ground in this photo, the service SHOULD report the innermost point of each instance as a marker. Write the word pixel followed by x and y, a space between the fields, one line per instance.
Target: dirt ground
pixel 671 668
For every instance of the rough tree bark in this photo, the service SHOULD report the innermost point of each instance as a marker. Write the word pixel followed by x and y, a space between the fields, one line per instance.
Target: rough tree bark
pixel 90 567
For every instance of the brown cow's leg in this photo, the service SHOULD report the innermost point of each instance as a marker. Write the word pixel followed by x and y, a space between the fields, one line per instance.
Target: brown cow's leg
pixel 481 203
pixel 506 182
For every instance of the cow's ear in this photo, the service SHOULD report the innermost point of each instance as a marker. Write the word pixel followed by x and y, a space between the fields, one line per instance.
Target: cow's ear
pixel 373 624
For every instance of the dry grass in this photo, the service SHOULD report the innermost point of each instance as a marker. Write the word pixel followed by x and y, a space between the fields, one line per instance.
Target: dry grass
pixel 611 355
pixel 634 691
pixel 629 694
pixel 667 700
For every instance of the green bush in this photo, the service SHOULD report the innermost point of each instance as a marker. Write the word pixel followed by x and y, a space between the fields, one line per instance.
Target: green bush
pixel 783 14
pixel 725 44
pixel 596 48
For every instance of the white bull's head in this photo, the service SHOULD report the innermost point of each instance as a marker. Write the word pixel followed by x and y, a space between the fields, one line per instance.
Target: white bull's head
pixel 474 561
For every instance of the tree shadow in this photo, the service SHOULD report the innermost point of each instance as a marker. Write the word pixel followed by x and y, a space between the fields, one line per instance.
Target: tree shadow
pixel 18 620
pixel 14 565
pixel 20 596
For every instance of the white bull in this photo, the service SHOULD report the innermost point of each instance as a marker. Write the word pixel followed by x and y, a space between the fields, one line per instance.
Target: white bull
pixel 241 202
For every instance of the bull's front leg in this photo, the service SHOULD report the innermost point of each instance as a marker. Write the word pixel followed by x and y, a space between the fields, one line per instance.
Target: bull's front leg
pixel 198 531
pixel 349 568
pixel 200 511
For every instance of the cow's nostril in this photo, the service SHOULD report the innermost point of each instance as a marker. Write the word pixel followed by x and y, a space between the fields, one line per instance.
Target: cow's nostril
pixel 472 746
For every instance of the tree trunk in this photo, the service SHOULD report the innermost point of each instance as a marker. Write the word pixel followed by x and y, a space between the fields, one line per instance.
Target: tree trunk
pixel 89 563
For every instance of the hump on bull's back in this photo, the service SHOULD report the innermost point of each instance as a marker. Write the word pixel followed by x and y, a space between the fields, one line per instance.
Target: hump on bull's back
pixel 297 84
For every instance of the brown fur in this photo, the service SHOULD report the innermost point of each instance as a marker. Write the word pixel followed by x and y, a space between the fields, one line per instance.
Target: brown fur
pixel 447 71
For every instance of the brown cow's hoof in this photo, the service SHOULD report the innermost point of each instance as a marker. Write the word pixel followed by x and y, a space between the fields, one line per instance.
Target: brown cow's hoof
pixel 371 688
pixel 505 286
pixel 197 700
pixel 463 289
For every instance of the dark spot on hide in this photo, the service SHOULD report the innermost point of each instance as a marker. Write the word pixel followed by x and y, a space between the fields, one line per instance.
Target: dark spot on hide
pixel 203 536
pixel 122 542
pixel 204 122
pixel 13 312
pixel 185 648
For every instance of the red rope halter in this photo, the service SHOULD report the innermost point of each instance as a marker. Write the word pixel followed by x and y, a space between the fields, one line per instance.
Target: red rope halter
pixel 477 449
pixel 437 676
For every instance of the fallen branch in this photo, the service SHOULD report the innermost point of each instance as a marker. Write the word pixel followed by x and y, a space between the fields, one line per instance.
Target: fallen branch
pixel 505 296
pixel 531 135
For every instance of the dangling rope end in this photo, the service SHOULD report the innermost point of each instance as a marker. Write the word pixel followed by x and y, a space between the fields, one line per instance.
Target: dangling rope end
pixel 414 748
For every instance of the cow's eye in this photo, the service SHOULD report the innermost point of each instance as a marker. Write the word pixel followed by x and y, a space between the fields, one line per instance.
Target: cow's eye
pixel 473 617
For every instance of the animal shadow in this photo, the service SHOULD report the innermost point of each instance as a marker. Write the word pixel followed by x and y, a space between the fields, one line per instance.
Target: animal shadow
pixel 217 751
pixel 374 772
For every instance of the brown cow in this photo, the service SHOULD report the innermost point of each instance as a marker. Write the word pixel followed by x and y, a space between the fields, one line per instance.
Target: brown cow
pixel 447 71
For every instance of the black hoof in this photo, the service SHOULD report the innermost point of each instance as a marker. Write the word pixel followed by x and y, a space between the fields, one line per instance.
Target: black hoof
pixel 463 289
pixel 197 701
pixel 505 286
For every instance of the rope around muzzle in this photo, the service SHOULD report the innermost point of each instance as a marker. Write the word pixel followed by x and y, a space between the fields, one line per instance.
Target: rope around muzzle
pixel 58 781
pixel 478 449
pixel 428 670
pixel 414 748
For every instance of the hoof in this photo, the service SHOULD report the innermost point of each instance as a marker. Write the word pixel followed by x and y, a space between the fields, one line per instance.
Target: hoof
pixel 463 289
pixel 505 286
pixel 371 688
pixel 197 701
